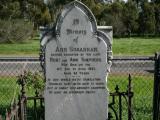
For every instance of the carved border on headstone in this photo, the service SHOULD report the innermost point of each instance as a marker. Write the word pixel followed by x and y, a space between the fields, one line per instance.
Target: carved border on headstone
pixel 108 41
pixel 68 8
pixel 50 33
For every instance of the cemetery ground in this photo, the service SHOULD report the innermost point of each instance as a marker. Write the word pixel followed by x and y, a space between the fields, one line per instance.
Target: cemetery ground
pixel 121 47
pixel 142 100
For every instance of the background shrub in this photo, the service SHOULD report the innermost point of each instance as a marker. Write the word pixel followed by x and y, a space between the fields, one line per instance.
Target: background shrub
pixel 15 30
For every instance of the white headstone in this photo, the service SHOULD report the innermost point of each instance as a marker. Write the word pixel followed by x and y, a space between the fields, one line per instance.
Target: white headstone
pixel 76 67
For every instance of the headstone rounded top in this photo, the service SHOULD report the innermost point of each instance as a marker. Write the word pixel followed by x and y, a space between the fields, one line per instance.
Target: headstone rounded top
pixel 78 7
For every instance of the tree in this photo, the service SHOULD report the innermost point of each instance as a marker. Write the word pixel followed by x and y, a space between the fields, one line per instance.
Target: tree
pixel 35 11
pixel 116 10
pixel 55 7
pixel 147 19
pixel 130 16
pixel 157 17
pixel 9 9
pixel 11 22
pixel 12 19
pixel 156 1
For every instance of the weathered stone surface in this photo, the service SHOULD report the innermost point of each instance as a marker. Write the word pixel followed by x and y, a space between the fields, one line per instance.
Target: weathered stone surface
pixel 76 67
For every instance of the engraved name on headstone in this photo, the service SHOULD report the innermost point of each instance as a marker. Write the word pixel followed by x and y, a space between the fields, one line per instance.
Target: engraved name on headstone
pixel 77 60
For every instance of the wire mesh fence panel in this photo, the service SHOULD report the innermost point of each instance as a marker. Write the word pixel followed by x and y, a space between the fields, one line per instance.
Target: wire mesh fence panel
pixel 9 72
pixel 8 86
pixel 142 75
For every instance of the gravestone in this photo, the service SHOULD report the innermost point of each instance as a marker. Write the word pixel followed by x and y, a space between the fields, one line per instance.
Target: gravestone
pixel 77 60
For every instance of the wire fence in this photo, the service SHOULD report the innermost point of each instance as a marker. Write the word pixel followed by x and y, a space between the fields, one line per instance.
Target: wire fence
pixel 142 76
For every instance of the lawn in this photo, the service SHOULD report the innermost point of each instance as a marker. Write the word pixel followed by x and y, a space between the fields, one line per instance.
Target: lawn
pixel 121 47
pixel 8 91
pixel 142 86
pixel 29 48
pixel 136 46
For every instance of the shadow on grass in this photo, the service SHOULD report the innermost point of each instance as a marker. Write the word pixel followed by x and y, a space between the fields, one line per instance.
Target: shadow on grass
pixel 32 114
pixel 3 111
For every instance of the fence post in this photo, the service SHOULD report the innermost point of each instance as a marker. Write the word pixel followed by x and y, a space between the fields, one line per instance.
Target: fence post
pixel 35 106
pixel 130 95
pixel 156 97
pixel 22 98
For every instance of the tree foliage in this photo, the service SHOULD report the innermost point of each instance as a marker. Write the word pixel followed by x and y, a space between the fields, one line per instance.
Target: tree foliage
pixel 38 13
pixel 17 30
pixel 9 9
pixel 147 19
pixel 117 23
pixel 157 18
pixel 131 17
pixel 34 81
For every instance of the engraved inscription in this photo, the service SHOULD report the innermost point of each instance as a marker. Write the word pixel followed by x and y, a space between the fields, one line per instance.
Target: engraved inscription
pixel 76 66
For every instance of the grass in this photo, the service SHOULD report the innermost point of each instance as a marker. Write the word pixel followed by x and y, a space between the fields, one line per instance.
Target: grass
pixel 8 87
pixel 142 86
pixel 136 46
pixel 122 46
pixel 9 90
pixel 30 48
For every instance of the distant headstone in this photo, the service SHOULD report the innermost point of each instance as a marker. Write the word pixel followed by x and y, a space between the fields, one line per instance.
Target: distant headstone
pixel 77 60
